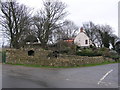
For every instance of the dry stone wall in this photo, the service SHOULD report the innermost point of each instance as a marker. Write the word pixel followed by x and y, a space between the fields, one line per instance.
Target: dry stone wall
pixel 15 56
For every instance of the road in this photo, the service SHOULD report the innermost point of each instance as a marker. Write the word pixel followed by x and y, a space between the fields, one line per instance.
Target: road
pixel 103 76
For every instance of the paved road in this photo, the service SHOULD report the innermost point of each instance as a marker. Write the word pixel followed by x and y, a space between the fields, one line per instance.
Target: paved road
pixel 104 76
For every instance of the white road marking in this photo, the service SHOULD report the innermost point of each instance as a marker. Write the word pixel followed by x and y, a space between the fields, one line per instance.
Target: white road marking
pixel 105 76
pixel 105 83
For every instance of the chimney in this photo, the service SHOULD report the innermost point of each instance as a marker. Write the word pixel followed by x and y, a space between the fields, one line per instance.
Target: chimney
pixel 81 29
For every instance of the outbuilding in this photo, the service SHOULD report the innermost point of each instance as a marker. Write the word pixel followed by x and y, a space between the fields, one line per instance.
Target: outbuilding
pixel 117 46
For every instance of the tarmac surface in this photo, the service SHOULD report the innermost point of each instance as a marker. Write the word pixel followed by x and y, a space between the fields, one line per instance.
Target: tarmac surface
pixel 103 76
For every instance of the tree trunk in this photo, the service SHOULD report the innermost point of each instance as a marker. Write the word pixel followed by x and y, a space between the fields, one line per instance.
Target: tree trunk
pixel 15 44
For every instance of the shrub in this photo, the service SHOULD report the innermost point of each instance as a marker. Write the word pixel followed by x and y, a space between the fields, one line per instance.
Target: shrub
pixel 112 54
pixel 103 49
pixel 106 54
pixel 88 52
pixel 66 48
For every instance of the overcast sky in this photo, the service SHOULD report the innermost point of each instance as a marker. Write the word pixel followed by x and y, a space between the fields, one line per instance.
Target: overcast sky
pixel 80 11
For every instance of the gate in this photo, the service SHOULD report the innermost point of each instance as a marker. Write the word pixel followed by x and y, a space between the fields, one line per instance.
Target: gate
pixel 3 57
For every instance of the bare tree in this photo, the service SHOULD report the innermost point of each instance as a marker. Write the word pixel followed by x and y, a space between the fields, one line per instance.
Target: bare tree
pixel 91 31
pixel 105 32
pixel 100 35
pixel 113 39
pixel 15 19
pixel 48 19
pixel 68 31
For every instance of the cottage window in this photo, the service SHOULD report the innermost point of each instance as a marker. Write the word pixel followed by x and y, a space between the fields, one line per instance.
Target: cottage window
pixel 86 41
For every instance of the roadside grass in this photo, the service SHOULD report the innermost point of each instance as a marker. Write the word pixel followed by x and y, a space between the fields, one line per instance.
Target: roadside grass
pixel 85 65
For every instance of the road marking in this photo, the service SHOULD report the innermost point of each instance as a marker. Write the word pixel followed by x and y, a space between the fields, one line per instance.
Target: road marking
pixel 105 76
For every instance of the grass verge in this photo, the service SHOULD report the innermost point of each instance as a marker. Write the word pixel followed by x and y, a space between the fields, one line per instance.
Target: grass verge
pixel 85 65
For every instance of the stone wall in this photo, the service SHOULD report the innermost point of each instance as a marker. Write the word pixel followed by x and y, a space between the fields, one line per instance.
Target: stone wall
pixel 40 58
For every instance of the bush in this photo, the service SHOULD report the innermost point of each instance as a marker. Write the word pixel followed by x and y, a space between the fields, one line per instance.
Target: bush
pixel 115 57
pixel 104 51
pixel 88 52
pixel 106 54
pixel 112 54
pixel 66 48
pixel 109 54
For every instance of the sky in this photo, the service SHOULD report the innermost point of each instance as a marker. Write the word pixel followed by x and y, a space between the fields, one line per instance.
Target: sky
pixel 81 11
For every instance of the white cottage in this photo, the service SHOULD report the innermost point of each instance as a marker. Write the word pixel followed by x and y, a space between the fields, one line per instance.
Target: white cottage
pixel 82 40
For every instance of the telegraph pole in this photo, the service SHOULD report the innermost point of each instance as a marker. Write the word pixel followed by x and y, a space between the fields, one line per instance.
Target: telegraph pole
pixel 119 19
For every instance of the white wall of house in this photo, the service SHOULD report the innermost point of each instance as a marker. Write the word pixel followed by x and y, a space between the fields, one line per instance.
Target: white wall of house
pixel 82 40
